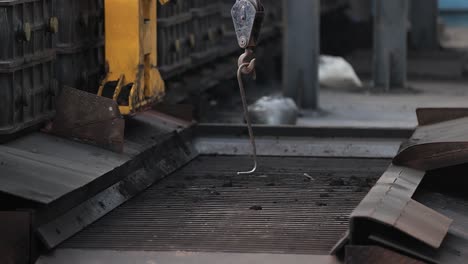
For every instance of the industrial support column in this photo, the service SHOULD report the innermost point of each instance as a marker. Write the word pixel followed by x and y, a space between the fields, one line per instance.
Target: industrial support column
pixel 301 51
pixel 390 47
pixel 424 25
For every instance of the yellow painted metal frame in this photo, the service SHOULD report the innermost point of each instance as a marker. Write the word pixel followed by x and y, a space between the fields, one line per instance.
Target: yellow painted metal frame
pixel 131 52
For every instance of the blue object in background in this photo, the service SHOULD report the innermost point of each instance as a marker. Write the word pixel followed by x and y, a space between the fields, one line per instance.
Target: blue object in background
pixel 446 4
pixel 454 12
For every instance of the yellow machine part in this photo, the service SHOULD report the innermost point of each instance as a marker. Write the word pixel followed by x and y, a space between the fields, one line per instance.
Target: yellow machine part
pixel 133 79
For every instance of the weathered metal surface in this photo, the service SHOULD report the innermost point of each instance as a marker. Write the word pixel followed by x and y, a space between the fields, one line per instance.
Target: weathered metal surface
pixel 26 100
pixel 63 174
pixel 155 167
pixel 405 245
pixel 41 178
pixel 436 146
pixel 388 211
pixel 75 256
pixel 16 236
pixel 80 183
pixel 89 118
pixel 453 250
pixel 444 190
pixel 390 203
pixel 81 24
pixel 423 223
pixel 430 116
pixel 27 31
pixel 80 66
pixel 43 168
pixel 207 25
pixel 305 206
pixel 375 254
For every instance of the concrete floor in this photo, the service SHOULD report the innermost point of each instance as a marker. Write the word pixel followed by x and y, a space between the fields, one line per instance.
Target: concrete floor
pixel 362 109
pixel 348 108
pixel 351 108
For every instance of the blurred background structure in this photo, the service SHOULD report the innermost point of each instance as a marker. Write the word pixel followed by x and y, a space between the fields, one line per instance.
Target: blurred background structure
pixel 122 129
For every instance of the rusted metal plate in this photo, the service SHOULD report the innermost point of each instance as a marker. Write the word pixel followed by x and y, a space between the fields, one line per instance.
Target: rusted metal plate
pixel 423 223
pixel 15 241
pixel 375 254
pixel 41 177
pixel 156 166
pixel 429 116
pixel 393 183
pixel 436 146
pixel 89 118
pixel 390 204
pixel 454 249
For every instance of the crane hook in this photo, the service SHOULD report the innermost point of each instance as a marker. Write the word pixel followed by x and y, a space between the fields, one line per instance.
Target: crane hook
pixel 247 68
pixel 247 16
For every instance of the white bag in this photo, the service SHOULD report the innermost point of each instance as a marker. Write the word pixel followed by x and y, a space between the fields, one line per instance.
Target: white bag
pixel 335 72
pixel 274 110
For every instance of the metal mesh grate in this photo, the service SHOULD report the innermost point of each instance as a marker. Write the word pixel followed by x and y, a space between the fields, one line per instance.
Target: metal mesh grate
pixel 298 205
